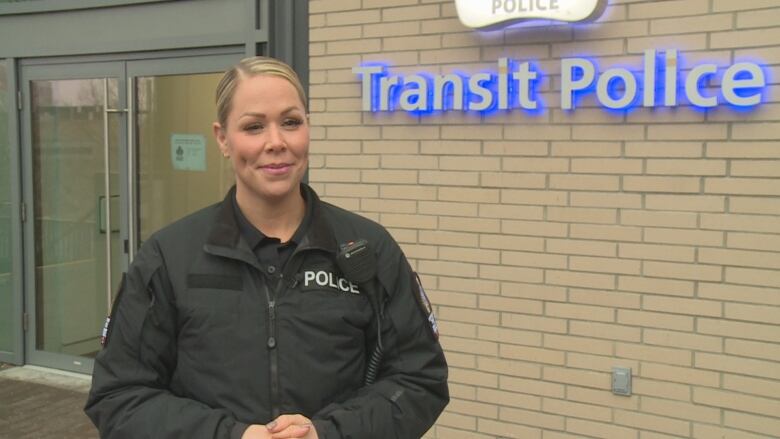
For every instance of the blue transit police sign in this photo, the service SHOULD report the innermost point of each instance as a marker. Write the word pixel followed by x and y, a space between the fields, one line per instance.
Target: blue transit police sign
pixel 661 80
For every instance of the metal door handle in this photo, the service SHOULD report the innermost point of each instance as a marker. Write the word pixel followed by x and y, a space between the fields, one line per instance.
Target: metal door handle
pixel 102 223
pixel 131 221
pixel 107 191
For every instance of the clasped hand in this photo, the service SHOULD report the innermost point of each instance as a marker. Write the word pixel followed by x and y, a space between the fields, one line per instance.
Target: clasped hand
pixel 283 427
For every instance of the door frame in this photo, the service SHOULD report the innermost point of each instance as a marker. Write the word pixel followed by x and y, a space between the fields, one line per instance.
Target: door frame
pixel 16 354
pixel 28 74
pixel 125 68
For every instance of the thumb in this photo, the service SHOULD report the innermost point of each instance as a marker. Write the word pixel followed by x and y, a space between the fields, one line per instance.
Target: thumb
pixel 281 423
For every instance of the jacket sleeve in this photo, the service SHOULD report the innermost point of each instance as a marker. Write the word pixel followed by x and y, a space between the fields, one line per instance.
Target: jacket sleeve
pixel 411 389
pixel 130 395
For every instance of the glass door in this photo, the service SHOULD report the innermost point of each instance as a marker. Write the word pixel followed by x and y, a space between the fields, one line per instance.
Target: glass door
pixel 75 125
pixel 179 166
pixel 176 166
pixel 113 151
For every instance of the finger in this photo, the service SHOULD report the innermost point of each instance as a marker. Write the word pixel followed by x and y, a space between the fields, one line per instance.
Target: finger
pixel 279 423
pixel 293 431
pixel 285 421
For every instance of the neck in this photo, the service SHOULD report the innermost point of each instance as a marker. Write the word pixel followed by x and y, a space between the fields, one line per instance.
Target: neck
pixel 275 218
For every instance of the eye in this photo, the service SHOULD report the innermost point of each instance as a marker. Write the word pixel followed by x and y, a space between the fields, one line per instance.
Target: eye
pixel 253 127
pixel 292 123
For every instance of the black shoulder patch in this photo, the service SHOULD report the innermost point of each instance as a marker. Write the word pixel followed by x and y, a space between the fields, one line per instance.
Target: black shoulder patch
pixel 425 305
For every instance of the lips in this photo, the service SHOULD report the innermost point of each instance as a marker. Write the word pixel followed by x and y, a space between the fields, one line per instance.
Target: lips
pixel 276 168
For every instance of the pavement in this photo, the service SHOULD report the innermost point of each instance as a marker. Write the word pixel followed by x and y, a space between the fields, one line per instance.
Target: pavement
pixel 38 403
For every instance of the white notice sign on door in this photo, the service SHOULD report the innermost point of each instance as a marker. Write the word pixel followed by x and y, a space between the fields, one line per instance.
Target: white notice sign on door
pixel 188 152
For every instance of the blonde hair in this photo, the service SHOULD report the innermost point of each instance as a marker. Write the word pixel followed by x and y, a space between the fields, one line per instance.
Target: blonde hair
pixel 248 67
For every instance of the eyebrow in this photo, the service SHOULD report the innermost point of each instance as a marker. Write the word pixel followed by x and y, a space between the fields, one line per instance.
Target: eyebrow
pixel 263 115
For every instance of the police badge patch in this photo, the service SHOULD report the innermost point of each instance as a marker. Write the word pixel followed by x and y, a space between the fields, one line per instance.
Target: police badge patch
pixel 425 306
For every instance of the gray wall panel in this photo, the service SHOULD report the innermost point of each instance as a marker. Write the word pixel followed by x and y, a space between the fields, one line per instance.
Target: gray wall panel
pixel 139 27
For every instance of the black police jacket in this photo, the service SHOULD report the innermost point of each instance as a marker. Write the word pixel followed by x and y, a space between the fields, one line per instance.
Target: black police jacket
pixel 203 340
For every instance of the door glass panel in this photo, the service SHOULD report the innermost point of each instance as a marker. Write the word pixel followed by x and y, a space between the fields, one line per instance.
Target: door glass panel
pixel 70 211
pixel 6 290
pixel 180 168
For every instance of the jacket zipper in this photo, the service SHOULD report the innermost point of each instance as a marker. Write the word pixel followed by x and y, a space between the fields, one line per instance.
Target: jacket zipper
pixel 272 341
pixel 274 357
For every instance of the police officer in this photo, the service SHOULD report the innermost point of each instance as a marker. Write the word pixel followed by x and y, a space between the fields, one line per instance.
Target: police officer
pixel 239 321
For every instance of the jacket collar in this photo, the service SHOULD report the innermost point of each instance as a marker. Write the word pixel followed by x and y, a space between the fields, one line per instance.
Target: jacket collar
pixel 320 234
pixel 225 238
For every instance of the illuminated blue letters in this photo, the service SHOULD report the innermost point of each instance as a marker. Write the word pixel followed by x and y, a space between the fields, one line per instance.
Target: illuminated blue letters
pixel 741 85
pixel 513 86
pixel 658 82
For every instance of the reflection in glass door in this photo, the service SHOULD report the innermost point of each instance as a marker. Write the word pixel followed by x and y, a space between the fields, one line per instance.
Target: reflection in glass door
pixel 75 138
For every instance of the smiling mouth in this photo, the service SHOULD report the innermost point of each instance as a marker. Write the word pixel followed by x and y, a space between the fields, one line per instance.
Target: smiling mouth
pixel 276 168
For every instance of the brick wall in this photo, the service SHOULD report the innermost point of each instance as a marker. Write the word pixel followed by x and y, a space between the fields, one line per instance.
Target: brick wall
pixel 558 245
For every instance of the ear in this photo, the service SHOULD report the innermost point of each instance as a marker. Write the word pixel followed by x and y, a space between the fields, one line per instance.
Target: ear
pixel 219 135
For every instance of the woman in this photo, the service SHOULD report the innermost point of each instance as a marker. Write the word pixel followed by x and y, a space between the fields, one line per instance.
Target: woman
pixel 248 319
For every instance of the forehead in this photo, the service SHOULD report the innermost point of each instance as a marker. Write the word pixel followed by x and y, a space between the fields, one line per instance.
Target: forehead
pixel 267 92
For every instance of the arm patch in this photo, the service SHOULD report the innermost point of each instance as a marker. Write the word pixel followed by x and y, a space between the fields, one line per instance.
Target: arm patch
pixel 107 325
pixel 425 305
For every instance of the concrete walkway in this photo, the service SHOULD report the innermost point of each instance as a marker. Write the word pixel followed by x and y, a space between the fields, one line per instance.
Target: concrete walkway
pixel 37 403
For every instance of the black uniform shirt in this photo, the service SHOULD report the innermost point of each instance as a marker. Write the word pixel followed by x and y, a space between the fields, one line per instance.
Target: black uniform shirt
pixel 271 252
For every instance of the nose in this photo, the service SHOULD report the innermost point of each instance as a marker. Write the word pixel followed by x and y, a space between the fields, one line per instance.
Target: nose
pixel 275 138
